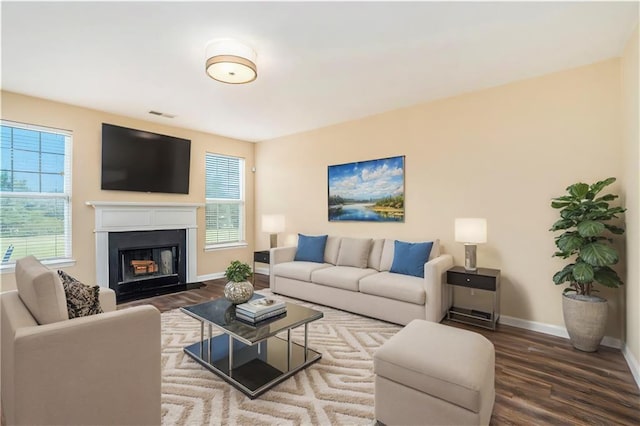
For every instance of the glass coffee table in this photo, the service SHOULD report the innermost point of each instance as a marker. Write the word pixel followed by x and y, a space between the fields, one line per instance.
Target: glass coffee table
pixel 251 357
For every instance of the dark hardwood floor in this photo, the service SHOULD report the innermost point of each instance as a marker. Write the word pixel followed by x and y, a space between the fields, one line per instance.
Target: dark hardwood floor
pixel 540 379
pixel 211 290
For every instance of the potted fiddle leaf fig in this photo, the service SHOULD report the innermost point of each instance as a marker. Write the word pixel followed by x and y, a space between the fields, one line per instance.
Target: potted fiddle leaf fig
pixel 238 289
pixel 586 240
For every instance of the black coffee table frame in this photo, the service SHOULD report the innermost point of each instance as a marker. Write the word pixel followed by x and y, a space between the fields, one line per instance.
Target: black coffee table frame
pixel 251 358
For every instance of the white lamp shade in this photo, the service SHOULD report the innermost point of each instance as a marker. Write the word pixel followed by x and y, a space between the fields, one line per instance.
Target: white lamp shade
pixel 230 61
pixel 471 230
pixel 273 223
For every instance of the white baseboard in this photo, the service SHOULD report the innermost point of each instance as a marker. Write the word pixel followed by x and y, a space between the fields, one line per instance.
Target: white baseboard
pixel 264 271
pixel 633 364
pixel 554 330
pixel 217 275
pixel 214 276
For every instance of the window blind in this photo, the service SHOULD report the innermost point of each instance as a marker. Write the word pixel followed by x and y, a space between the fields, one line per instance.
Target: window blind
pixel 35 190
pixel 224 209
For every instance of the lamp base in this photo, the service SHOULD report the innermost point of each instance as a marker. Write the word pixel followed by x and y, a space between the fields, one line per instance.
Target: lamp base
pixel 470 257
pixel 274 240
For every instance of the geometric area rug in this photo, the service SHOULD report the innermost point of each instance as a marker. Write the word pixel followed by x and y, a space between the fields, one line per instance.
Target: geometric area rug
pixel 337 389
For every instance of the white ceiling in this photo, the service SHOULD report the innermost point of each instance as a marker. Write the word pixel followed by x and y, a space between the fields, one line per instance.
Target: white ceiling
pixel 318 63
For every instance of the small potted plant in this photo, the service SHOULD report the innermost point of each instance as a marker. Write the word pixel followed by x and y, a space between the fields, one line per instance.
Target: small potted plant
pixel 586 239
pixel 238 289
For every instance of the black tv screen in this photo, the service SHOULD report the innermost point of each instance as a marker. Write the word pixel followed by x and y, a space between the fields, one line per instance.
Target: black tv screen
pixel 134 160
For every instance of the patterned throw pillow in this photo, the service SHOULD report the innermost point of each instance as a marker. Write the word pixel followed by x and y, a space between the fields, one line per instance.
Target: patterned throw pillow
pixel 82 300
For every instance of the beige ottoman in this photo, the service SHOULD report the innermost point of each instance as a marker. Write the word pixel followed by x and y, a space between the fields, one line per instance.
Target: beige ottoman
pixel 433 374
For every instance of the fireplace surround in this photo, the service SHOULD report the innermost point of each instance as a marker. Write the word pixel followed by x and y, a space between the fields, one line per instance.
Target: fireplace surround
pixel 144 249
pixel 145 263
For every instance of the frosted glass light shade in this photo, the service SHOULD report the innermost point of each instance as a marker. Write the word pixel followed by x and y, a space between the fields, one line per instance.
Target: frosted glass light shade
pixel 230 61
pixel 471 230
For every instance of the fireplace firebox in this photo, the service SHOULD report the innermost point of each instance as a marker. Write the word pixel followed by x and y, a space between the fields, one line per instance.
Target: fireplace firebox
pixel 147 263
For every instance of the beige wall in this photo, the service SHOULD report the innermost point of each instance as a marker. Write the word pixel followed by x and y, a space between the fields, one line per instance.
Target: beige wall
pixel 86 127
pixel 500 153
pixel 631 138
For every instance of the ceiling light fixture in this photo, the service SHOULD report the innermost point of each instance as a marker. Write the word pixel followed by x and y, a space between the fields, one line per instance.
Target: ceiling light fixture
pixel 230 61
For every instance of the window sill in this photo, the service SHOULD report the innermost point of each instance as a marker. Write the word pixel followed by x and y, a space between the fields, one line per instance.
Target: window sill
pixel 227 246
pixel 55 263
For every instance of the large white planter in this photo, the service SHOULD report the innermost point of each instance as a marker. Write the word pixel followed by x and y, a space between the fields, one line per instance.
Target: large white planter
pixel 585 318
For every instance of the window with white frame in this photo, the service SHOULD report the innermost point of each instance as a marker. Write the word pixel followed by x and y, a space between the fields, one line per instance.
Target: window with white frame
pixel 35 193
pixel 224 211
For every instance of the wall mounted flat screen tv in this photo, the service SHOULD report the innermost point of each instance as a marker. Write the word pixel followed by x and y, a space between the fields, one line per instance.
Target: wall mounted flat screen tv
pixel 134 160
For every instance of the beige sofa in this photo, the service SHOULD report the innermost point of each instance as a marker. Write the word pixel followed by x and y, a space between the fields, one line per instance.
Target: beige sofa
pixel 99 369
pixel 367 289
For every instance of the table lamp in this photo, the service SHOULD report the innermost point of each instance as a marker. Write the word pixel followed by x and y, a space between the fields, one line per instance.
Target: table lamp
pixel 470 231
pixel 273 223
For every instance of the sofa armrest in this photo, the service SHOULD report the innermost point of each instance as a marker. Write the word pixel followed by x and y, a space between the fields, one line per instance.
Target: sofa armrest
pixel 107 299
pixel 434 278
pixel 103 368
pixel 279 255
pixel 282 254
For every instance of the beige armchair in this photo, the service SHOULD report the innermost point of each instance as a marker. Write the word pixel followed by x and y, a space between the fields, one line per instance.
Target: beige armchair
pixel 100 369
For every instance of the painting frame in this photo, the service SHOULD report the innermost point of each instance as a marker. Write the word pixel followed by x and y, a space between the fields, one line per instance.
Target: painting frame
pixel 367 191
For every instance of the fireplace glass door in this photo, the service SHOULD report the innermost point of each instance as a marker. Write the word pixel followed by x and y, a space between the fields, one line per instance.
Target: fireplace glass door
pixel 144 264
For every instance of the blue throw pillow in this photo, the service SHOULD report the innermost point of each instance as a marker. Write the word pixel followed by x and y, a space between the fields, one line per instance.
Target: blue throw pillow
pixel 409 258
pixel 311 249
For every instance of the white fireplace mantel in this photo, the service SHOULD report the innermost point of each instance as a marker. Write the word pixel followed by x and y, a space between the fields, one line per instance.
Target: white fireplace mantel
pixel 116 216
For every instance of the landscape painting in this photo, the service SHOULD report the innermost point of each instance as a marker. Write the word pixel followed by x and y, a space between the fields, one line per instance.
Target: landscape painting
pixel 369 191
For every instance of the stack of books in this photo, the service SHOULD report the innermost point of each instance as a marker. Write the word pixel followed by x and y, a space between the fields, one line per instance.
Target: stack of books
pixel 260 309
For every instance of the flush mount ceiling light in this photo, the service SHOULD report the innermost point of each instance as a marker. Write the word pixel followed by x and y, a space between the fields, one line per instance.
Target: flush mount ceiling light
pixel 230 61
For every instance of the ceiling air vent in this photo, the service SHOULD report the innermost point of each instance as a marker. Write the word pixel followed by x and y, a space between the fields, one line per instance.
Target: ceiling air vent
pixel 162 114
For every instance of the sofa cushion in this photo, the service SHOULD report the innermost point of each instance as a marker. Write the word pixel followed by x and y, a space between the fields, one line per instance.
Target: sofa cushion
pixel 41 291
pixel 394 286
pixel 82 300
pixel 354 252
pixel 386 258
pixel 298 270
pixel 435 250
pixel 409 258
pixel 311 248
pixel 375 254
pixel 345 277
pixel 331 249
